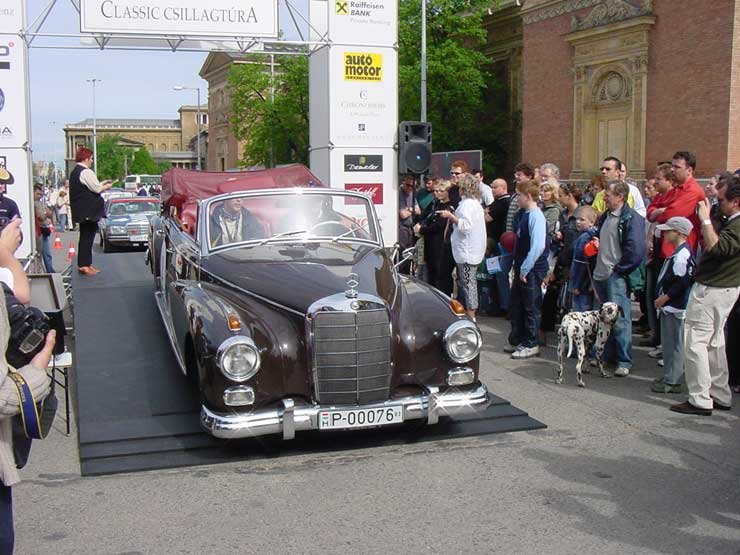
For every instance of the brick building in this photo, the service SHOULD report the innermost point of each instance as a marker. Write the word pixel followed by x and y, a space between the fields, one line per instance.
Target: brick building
pixel 638 79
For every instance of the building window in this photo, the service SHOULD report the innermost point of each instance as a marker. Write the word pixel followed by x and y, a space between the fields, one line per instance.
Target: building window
pixel 204 119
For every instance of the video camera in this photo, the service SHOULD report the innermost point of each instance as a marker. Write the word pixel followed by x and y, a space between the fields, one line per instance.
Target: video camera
pixel 28 329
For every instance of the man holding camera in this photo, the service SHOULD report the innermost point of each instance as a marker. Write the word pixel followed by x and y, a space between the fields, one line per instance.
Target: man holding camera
pixel 43 227
pixel 33 372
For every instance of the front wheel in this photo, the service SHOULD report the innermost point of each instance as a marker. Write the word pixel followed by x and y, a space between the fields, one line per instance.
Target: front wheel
pixel 107 247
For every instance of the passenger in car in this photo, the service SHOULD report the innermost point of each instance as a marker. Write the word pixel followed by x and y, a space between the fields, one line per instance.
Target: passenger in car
pixel 230 222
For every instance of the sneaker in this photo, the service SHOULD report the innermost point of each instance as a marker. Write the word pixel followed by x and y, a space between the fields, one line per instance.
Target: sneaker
pixel 525 352
pixel 510 348
pixel 656 353
pixel 621 372
pixel 592 363
pixel 663 387
pixel 661 363
pixel 658 380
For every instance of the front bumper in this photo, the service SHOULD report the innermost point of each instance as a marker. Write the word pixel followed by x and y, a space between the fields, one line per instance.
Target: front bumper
pixel 290 418
pixel 125 240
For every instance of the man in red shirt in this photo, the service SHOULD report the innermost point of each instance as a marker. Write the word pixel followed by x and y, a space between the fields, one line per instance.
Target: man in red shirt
pixel 679 201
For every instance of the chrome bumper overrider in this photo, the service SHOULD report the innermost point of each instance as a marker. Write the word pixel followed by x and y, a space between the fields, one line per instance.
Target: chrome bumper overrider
pixel 289 419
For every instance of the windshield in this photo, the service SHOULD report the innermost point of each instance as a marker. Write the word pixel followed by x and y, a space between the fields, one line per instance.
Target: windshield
pixel 123 208
pixel 290 216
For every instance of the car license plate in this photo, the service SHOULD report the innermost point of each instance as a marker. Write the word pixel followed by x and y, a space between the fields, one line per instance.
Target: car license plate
pixel 139 238
pixel 359 418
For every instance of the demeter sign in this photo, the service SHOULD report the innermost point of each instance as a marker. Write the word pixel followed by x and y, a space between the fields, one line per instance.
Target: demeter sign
pixel 361 66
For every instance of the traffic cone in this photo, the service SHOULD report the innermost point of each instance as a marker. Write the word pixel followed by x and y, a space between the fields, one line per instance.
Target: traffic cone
pixel 71 252
pixel 57 241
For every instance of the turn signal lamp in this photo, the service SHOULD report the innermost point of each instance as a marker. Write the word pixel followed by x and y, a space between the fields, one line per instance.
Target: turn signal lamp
pixel 457 307
pixel 234 323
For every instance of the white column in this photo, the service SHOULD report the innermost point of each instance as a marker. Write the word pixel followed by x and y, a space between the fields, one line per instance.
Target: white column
pixel 353 95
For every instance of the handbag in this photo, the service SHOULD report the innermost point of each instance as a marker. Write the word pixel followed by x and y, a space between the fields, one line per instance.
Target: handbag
pixel 34 420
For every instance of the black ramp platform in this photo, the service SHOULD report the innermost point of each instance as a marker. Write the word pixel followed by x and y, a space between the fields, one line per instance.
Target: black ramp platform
pixel 137 411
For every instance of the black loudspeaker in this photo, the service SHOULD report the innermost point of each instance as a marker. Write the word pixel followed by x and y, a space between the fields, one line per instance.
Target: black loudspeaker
pixel 414 147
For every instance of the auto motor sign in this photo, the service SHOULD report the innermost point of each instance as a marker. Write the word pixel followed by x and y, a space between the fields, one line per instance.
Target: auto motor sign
pixel 247 18
pixel 363 66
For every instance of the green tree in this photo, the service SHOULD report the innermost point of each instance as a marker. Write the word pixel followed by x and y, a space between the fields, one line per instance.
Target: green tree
pixel 110 157
pixel 143 163
pixel 163 167
pixel 274 129
pixel 460 89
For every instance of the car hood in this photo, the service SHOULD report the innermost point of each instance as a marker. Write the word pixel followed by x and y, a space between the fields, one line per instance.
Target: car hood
pixel 295 276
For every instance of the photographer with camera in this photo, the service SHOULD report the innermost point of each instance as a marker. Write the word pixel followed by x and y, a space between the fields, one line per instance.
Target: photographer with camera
pixel 43 227
pixel 33 370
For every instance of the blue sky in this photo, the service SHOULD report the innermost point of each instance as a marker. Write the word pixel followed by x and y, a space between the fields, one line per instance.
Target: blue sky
pixel 132 84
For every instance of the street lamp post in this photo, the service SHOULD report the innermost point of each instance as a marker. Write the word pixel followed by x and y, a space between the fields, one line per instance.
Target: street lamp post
pixel 95 125
pixel 197 89
pixel 423 60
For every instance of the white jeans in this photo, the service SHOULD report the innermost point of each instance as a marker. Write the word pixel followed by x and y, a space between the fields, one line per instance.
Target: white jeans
pixel 704 344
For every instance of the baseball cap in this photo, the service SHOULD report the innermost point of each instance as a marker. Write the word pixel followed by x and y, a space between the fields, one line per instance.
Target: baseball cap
pixel 677 223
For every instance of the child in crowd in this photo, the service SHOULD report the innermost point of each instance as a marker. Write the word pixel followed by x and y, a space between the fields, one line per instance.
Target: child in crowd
pixel 582 265
pixel 674 283
pixel 530 268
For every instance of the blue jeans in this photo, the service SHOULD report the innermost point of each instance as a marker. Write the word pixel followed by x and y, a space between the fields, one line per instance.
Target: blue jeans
pixel 63 222
pixel 502 282
pixel 671 333
pixel 526 310
pixel 619 346
pixel 46 254
pixel 583 302
pixel 7 534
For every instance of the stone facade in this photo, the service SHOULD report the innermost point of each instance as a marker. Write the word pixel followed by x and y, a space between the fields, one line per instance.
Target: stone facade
pixel 224 150
pixel 166 140
pixel 615 77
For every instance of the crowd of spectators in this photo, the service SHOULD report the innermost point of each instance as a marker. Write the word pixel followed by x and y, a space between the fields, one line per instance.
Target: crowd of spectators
pixel 539 247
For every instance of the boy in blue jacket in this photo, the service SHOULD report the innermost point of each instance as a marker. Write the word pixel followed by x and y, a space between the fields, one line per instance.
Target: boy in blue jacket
pixel 579 282
pixel 674 284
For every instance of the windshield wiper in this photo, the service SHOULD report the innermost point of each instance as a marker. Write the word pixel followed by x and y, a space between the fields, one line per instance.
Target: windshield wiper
pixel 352 230
pixel 283 234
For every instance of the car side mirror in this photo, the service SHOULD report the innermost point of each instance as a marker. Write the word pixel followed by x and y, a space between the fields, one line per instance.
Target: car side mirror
pixel 406 255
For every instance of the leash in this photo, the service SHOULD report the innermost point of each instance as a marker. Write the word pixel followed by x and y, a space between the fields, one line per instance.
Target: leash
pixel 593 285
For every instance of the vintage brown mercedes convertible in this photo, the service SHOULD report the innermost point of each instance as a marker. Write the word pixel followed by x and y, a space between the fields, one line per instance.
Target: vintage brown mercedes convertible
pixel 284 307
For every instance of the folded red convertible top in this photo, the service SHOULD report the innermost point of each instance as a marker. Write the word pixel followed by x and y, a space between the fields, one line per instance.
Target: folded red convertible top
pixel 181 187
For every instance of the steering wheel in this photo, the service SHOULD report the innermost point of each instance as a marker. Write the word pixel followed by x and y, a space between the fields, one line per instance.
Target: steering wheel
pixel 339 227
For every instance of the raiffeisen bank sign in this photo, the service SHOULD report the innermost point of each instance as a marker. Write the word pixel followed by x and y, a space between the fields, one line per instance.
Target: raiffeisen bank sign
pixel 215 18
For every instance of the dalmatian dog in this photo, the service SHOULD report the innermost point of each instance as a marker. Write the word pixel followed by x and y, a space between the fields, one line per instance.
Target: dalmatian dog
pixel 586 329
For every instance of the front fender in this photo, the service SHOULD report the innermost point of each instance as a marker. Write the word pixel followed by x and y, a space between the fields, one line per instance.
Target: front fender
pixel 421 317
pixel 279 336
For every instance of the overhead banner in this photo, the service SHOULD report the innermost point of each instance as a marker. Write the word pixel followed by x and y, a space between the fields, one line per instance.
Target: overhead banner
pixel 216 18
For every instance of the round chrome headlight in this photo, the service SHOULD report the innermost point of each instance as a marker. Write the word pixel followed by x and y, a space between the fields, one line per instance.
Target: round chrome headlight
pixel 463 341
pixel 239 358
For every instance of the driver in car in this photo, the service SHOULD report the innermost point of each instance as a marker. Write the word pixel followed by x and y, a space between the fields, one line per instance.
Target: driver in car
pixel 232 223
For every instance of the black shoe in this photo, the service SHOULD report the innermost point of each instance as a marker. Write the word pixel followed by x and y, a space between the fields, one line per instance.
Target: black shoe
pixel 720 406
pixel 688 408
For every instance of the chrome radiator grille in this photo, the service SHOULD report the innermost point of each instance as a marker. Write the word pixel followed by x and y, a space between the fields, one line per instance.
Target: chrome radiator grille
pixel 352 355
pixel 138 228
